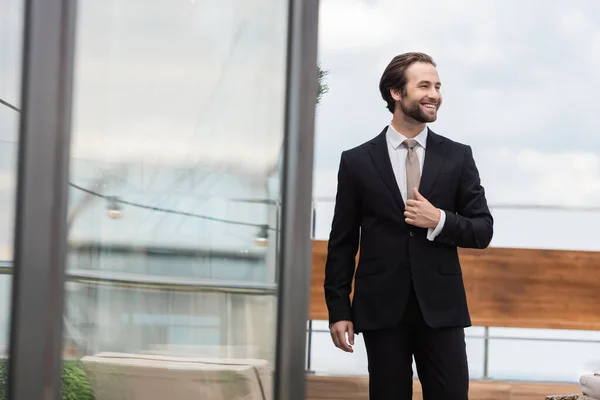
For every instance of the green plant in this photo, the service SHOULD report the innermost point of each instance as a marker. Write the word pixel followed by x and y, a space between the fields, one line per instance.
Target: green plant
pixel 75 385
pixel 323 87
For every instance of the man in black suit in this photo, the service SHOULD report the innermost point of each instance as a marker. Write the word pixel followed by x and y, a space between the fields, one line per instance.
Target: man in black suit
pixel 410 198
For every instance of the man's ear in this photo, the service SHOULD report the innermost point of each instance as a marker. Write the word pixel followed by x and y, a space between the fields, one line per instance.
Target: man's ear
pixel 396 94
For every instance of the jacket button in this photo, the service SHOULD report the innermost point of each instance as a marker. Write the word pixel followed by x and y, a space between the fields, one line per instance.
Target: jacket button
pixel 412 234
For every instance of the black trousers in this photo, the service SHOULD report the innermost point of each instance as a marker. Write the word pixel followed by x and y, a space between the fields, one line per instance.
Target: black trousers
pixel 440 356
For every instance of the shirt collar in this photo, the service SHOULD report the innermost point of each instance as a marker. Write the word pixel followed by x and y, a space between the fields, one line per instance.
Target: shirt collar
pixel 396 138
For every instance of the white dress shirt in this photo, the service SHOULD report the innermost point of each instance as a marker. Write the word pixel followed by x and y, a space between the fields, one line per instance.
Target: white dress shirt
pixel 397 152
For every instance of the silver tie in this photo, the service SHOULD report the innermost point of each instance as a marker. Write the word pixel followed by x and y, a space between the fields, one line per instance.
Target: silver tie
pixel 413 170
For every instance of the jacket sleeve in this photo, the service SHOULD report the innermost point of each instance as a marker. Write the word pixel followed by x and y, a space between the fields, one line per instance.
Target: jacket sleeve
pixel 342 247
pixel 472 225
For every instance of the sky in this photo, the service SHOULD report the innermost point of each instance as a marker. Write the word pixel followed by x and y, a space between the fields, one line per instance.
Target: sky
pixel 191 84
pixel 168 86
pixel 173 82
pixel 519 81
pixel 179 83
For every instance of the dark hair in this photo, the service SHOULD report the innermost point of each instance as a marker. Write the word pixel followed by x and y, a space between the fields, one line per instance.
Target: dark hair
pixel 394 76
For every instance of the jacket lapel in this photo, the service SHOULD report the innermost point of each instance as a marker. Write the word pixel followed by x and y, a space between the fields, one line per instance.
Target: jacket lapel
pixel 381 159
pixel 434 160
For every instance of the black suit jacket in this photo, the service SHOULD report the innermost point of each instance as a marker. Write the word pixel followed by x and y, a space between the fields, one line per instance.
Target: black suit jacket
pixel 369 211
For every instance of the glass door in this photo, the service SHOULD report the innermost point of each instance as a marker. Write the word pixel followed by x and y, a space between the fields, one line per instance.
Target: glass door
pixel 11 50
pixel 165 184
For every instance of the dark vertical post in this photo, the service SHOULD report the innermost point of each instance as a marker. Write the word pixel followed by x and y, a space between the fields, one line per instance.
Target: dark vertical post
pixel 295 257
pixel 40 237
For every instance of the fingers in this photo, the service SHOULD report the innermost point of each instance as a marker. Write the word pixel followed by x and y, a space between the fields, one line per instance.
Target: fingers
pixel 341 336
pixel 334 338
pixel 412 211
pixel 338 335
pixel 351 335
pixel 410 214
pixel 418 195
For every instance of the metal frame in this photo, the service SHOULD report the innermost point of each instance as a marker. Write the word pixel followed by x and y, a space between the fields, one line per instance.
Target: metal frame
pixel 43 168
pixel 295 256
pixel 310 321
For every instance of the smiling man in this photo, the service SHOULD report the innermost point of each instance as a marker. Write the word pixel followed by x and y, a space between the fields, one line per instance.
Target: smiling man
pixel 409 198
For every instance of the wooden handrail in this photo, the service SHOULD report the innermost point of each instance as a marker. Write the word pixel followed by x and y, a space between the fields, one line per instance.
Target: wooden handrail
pixel 510 287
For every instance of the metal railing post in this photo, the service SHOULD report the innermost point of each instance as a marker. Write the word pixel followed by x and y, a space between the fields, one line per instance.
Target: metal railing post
pixel 486 352
pixel 309 347
pixel 313 227
pixel 310 322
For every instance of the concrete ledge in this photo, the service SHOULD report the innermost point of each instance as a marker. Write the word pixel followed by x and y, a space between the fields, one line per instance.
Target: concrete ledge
pixel 123 376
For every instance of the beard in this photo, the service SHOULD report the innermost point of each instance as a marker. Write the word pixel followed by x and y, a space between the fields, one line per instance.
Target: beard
pixel 414 111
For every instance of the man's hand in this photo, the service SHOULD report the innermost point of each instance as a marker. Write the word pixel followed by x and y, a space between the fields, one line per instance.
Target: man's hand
pixel 338 335
pixel 420 212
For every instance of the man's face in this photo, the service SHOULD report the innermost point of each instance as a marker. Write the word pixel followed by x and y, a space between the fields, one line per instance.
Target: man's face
pixel 421 98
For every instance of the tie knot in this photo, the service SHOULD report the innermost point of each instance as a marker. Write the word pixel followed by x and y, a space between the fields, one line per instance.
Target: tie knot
pixel 409 143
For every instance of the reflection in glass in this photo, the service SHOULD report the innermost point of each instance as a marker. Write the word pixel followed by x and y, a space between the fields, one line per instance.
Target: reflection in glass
pixel 173 224
pixel 11 43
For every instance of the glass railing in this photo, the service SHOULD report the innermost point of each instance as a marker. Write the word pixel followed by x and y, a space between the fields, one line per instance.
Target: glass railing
pixel 500 353
pixel 494 353
pixel 509 229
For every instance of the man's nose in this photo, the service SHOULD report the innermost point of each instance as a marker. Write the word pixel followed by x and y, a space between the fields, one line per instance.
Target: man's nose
pixel 434 94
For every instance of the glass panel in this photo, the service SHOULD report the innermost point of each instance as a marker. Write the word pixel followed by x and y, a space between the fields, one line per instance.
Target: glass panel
pixel 326 359
pixel 11 44
pixel 515 354
pixel 174 197
pixel 512 87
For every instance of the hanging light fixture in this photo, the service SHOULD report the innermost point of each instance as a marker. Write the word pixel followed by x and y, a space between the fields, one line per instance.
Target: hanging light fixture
pixel 262 238
pixel 114 209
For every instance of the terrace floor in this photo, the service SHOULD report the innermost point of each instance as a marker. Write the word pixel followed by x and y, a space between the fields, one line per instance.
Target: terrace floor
pixel 356 388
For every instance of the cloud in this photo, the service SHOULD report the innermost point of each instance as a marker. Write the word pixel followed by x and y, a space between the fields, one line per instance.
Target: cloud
pixel 186 83
pixel 521 176
pixel 166 87
pixel 519 90
pixel 11 37
pixel 352 25
pixel 529 176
